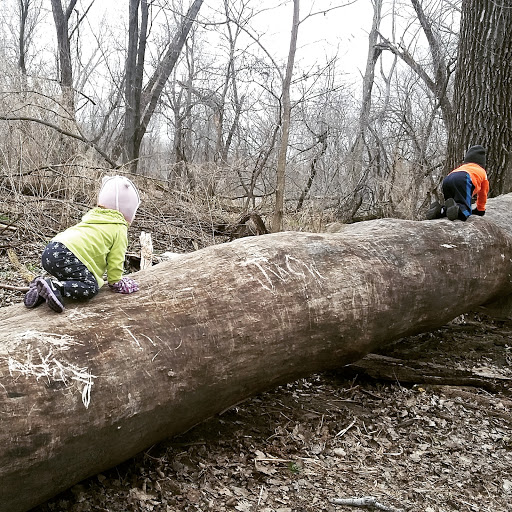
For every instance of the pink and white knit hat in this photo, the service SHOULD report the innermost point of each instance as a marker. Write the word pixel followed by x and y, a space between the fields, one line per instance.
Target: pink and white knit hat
pixel 119 193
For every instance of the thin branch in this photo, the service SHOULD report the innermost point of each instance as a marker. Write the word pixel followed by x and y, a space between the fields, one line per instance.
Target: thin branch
pixel 325 11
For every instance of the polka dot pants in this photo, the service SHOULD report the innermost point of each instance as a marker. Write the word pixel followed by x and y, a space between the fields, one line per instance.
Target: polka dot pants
pixel 77 281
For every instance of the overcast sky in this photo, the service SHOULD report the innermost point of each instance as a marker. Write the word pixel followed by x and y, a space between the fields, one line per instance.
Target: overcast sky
pixel 339 28
pixel 342 31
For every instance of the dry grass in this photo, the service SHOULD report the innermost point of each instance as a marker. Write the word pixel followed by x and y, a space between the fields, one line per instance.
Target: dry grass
pixel 46 201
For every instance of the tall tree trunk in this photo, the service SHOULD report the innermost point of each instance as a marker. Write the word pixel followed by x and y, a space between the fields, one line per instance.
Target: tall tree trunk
pixel 482 101
pixel 277 219
pixel 67 121
pixel 140 109
pixel 22 42
pixel 93 386
pixel 61 19
pixel 135 59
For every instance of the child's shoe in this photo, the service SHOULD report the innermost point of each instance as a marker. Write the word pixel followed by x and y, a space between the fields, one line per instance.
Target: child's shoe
pixel 435 211
pixel 50 291
pixel 452 209
pixel 32 298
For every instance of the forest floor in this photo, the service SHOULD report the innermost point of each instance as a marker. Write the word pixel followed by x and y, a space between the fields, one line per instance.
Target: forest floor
pixel 429 431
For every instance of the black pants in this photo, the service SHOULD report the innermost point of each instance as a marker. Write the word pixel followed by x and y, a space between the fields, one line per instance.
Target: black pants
pixel 77 281
pixel 459 187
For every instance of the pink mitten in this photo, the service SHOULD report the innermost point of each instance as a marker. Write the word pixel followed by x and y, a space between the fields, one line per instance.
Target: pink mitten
pixel 125 285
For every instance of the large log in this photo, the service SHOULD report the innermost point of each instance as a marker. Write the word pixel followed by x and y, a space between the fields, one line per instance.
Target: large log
pixel 84 390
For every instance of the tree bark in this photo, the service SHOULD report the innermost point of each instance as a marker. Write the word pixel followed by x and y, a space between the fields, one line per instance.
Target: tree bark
pixel 86 389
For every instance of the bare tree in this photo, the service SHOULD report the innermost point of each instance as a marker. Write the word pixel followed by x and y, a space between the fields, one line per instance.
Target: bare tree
pixel 135 60
pixel 67 115
pixel 320 139
pixel 178 96
pixel 442 62
pixel 395 144
pixel 357 150
pixel 141 101
pixel 28 17
pixel 24 8
pixel 231 80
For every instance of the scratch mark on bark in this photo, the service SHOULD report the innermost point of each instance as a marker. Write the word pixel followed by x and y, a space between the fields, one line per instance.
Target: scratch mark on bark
pixel 48 363
pixel 54 370
pixel 292 268
pixel 130 333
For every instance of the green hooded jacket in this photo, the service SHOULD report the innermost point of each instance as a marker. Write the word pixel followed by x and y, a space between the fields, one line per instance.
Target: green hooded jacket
pixel 99 241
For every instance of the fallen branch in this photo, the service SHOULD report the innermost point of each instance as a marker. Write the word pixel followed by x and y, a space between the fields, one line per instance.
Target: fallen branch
pixel 381 367
pixel 366 502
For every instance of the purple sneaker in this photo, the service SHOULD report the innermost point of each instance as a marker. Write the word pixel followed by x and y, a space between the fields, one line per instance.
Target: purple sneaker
pixel 32 298
pixel 48 289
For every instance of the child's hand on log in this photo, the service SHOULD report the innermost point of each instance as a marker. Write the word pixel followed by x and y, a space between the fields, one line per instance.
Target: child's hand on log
pixel 125 285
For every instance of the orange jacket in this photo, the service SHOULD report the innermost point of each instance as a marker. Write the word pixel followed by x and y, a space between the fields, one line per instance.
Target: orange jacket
pixel 479 179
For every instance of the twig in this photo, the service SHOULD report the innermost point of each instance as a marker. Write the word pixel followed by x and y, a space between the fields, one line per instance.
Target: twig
pixel 272 459
pixel 345 430
pixel 8 226
pixel 16 288
pixel 367 501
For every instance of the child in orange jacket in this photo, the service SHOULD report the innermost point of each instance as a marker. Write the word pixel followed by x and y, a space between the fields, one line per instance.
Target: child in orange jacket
pixel 461 185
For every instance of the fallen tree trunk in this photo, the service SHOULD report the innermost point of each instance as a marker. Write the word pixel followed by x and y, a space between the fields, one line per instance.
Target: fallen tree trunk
pixel 87 389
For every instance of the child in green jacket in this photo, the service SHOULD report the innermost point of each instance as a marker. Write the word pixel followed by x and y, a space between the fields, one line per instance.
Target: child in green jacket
pixel 79 256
